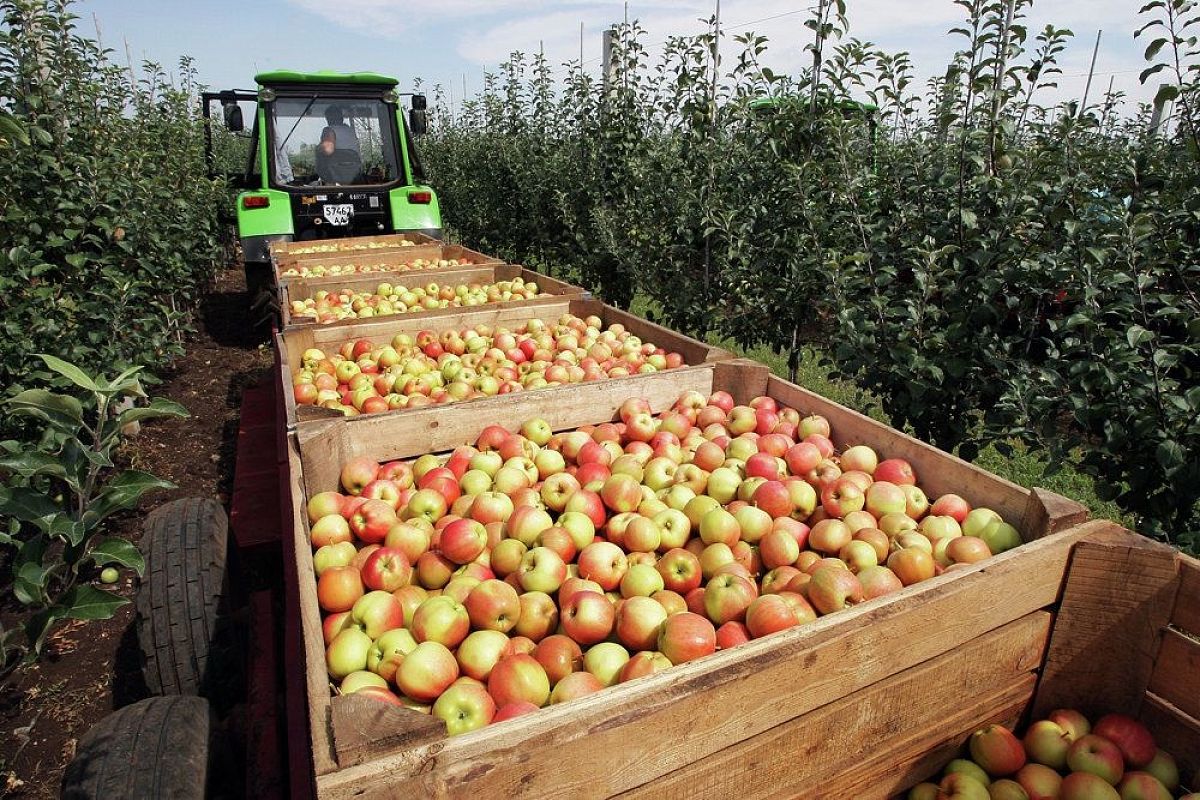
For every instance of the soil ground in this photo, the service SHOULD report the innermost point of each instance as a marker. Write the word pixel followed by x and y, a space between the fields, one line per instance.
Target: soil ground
pixel 94 668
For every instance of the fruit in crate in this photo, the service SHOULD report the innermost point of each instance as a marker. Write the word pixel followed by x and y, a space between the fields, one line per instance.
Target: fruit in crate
pixel 481 361
pixel 333 270
pixel 386 299
pixel 550 565
pixel 1062 757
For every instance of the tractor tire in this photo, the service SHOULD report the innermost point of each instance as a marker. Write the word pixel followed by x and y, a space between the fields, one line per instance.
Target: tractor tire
pixel 183 625
pixel 157 747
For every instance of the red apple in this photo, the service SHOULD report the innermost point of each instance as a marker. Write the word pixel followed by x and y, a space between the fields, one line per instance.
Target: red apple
pixel 559 655
pixel 686 637
pixel 427 671
pixel 1097 755
pixel 519 678
pixel 1131 737
pixel 588 617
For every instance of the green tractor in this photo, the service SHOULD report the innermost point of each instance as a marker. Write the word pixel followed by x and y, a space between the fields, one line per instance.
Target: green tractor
pixel 328 155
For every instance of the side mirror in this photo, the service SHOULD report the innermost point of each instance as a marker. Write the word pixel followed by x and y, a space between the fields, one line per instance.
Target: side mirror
pixel 233 117
pixel 418 121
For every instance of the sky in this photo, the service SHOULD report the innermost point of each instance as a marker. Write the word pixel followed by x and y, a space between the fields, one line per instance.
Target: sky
pixel 452 42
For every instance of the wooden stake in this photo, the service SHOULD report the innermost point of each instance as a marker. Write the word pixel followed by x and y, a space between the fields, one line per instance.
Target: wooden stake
pixel 1091 71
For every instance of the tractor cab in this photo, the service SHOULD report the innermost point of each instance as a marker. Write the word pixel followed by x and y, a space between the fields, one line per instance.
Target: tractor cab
pixel 325 155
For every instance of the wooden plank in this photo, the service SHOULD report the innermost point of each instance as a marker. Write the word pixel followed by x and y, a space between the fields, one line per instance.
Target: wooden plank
pixel 1187 604
pixel 432 429
pixel 838 655
pixel 1118 598
pixel 938 472
pixel 839 739
pixel 299 563
pixel 364 728
pixel 890 774
pixel 1176 676
pixel 1177 733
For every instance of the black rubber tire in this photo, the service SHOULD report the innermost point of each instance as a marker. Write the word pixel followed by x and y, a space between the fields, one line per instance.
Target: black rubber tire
pixel 183 599
pixel 157 747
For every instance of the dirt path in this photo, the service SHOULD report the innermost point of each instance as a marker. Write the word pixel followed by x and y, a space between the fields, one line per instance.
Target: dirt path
pixel 93 669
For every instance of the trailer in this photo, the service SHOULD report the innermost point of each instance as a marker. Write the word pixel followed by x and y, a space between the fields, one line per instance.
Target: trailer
pixel 1081 613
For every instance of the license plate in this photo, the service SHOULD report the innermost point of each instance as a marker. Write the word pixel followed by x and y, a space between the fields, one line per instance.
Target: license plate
pixel 338 214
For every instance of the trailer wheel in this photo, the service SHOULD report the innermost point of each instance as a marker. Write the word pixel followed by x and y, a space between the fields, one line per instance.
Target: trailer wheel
pixel 157 747
pixel 183 624
pixel 264 306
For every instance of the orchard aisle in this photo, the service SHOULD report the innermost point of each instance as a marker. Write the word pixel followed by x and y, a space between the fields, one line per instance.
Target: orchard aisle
pixel 90 671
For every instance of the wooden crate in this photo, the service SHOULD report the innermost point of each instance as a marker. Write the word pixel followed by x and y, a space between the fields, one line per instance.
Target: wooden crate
pixel 764 719
pixel 387 261
pixel 304 288
pixel 292 343
pixel 352 244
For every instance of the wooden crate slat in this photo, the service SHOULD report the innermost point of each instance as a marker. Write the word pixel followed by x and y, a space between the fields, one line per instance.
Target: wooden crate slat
pixel 1119 595
pixel 317 680
pixel 1176 732
pixel 800 758
pixel 1176 677
pixel 761 681
pixel 1187 604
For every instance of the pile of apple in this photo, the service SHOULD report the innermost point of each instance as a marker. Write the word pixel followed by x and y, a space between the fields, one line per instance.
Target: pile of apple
pixel 472 362
pixel 334 270
pixel 1062 757
pixel 388 299
pixel 346 246
pixel 536 568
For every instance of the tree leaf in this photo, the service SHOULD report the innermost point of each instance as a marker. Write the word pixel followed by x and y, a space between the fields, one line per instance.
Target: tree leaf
pixel 63 412
pixel 28 505
pixel 124 491
pixel 69 371
pixel 33 462
pixel 1166 93
pixel 88 602
pixel 159 407
pixel 118 551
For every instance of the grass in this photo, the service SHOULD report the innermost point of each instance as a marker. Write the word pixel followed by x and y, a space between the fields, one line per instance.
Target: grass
pixel 1024 467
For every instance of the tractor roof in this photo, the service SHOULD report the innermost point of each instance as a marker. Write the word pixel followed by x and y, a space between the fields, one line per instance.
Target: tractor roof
pixel 325 77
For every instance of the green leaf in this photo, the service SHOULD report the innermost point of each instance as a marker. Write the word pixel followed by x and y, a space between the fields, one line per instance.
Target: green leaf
pixel 118 551
pixel 69 371
pixel 159 407
pixel 63 412
pixel 1166 93
pixel 1153 48
pixel 1169 455
pixel 1136 335
pixel 32 462
pixel 29 583
pixel 28 505
pixel 88 602
pixel 124 491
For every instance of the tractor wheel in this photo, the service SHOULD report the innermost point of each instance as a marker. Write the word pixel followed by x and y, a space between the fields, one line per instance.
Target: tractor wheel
pixel 157 747
pixel 183 625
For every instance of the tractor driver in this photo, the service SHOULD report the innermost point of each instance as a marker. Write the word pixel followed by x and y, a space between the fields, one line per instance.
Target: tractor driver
pixel 337 134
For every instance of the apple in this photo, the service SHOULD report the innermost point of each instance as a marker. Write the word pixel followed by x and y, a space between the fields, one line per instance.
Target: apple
pixel 493 605
pixel 434 570
pixel 680 570
pixel 333 555
pixel 841 497
pixel 833 588
pixel 959 786
pixel 637 622
pixel 967 549
pixel 347 653
pixel 1164 768
pixel 978 520
pixel 330 530
pixel 686 637
pixel 362 679
pixel 588 617
pixel 441 619
pixel 1046 743
pixel 769 613
pixel 778 548
pixel 426 504
pixel 603 562
pixel 427 671
pixel 1130 736
pixel 642 535
pixel 506 556
pixel 727 596
pixel 829 536
pixel 1038 780
pixel 537 430
pixel 641 580
pixel 1139 785
pixel 646 662
pixel 911 565
pixel 926 791
pixel 542 570
pixel 464 707
pixel 339 588
pixel 606 660
pixel 357 473
pixel 1073 723
pixel 1000 536
pixel 580 527
pixel 1086 786
pixel 1097 755
pixel 480 652
pixel 538 618
pixel 387 568
pixel 774 498
pixel 916 504
pixel 951 505
pixel 1007 789
pixel 718 525
pixel 895 470
pixel 559 655
pixel 512 710
pixel 674 529
pixel 519 678
pixel 573 686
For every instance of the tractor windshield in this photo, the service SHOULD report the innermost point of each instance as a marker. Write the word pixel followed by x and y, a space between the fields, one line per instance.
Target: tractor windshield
pixel 333 141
